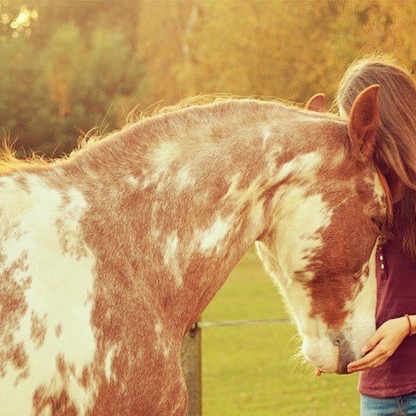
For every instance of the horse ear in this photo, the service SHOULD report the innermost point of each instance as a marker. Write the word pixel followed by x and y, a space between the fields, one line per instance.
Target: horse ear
pixel 316 103
pixel 363 123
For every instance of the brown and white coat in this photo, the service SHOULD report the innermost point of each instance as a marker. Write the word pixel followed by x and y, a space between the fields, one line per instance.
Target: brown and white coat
pixel 108 257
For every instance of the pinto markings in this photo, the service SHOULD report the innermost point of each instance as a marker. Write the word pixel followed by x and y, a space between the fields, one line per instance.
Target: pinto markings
pixel 49 296
pixel 132 181
pixel 170 259
pixel 211 238
pixel 108 257
pixel 185 179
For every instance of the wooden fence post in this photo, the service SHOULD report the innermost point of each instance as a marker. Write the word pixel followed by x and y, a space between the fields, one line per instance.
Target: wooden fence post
pixel 191 365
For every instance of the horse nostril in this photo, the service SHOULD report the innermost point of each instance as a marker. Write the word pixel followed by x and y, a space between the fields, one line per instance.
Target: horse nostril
pixel 337 342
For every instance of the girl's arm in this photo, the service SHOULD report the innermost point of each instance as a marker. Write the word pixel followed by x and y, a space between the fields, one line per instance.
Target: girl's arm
pixel 384 342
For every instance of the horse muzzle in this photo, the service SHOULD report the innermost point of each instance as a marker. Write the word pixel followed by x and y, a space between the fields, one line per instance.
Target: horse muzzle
pixel 346 353
pixel 330 354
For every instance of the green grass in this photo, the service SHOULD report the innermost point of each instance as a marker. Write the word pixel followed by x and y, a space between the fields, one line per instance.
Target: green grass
pixel 253 370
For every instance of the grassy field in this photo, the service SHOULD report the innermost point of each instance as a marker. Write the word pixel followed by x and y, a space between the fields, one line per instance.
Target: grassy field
pixel 253 370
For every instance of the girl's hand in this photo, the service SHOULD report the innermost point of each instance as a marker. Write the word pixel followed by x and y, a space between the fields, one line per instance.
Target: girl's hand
pixel 382 344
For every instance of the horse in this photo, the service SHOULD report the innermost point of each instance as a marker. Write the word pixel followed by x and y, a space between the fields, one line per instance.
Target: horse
pixel 109 256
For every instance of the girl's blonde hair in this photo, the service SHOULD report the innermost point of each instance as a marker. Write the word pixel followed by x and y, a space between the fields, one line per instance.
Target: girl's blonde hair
pixel 396 137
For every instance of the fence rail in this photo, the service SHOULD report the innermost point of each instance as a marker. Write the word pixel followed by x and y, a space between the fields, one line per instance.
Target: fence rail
pixel 192 356
pixel 241 322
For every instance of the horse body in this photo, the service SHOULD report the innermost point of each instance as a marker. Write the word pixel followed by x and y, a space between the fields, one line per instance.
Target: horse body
pixel 107 258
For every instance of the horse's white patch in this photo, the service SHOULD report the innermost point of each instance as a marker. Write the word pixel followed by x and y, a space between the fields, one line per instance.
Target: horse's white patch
pixel 172 242
pixel 378 189
pixel 68 221
pixel 320 350
pixel 233 190
pixel 165 153
pixel 210 238
pixel 156 233
pixel 316 346
pixel 60 291
pixel 76 202
pixel 147 179
pixel 160 159
pixel 300 217
pixel 109 362
pixel 184 178
pixel 299 221
pixel 257 215
pixel 358 328
pixel 266 135
pixel 294 294
pixel 170 257
pixel 162 343
pixel 304 166
pixel 158 328
pixel 132 181
pixel 15 201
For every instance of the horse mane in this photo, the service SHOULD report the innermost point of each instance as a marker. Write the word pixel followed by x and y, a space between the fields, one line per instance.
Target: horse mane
pixel 9 162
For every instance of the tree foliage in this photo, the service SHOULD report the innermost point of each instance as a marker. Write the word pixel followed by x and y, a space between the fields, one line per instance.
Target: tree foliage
pixel 67 66
pixel 67 78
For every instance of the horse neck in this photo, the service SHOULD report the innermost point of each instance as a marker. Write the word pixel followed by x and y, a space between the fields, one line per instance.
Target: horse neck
pixel 185 211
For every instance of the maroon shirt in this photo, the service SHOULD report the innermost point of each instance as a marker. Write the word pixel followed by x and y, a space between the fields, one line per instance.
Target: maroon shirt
pixel 396 296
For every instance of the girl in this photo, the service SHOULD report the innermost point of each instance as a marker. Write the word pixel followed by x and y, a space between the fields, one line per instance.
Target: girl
pixel 388 379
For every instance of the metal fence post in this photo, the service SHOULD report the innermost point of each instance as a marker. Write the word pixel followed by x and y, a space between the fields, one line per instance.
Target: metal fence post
pixel 191 365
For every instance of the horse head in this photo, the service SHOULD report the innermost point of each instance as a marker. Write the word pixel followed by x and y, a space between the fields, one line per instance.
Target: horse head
pixel 322 230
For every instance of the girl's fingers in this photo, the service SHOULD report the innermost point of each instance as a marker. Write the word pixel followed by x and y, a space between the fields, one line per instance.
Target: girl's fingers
pixel 371 360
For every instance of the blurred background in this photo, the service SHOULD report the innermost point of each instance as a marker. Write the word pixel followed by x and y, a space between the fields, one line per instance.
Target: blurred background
pixel 69 66
pixel 78 66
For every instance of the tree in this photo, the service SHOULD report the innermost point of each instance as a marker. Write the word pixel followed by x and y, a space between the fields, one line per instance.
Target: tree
pixel 163 39
pixel 69 66
pixel 109 80
pixel 53 89
pixel 16 19
pixel 24 112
